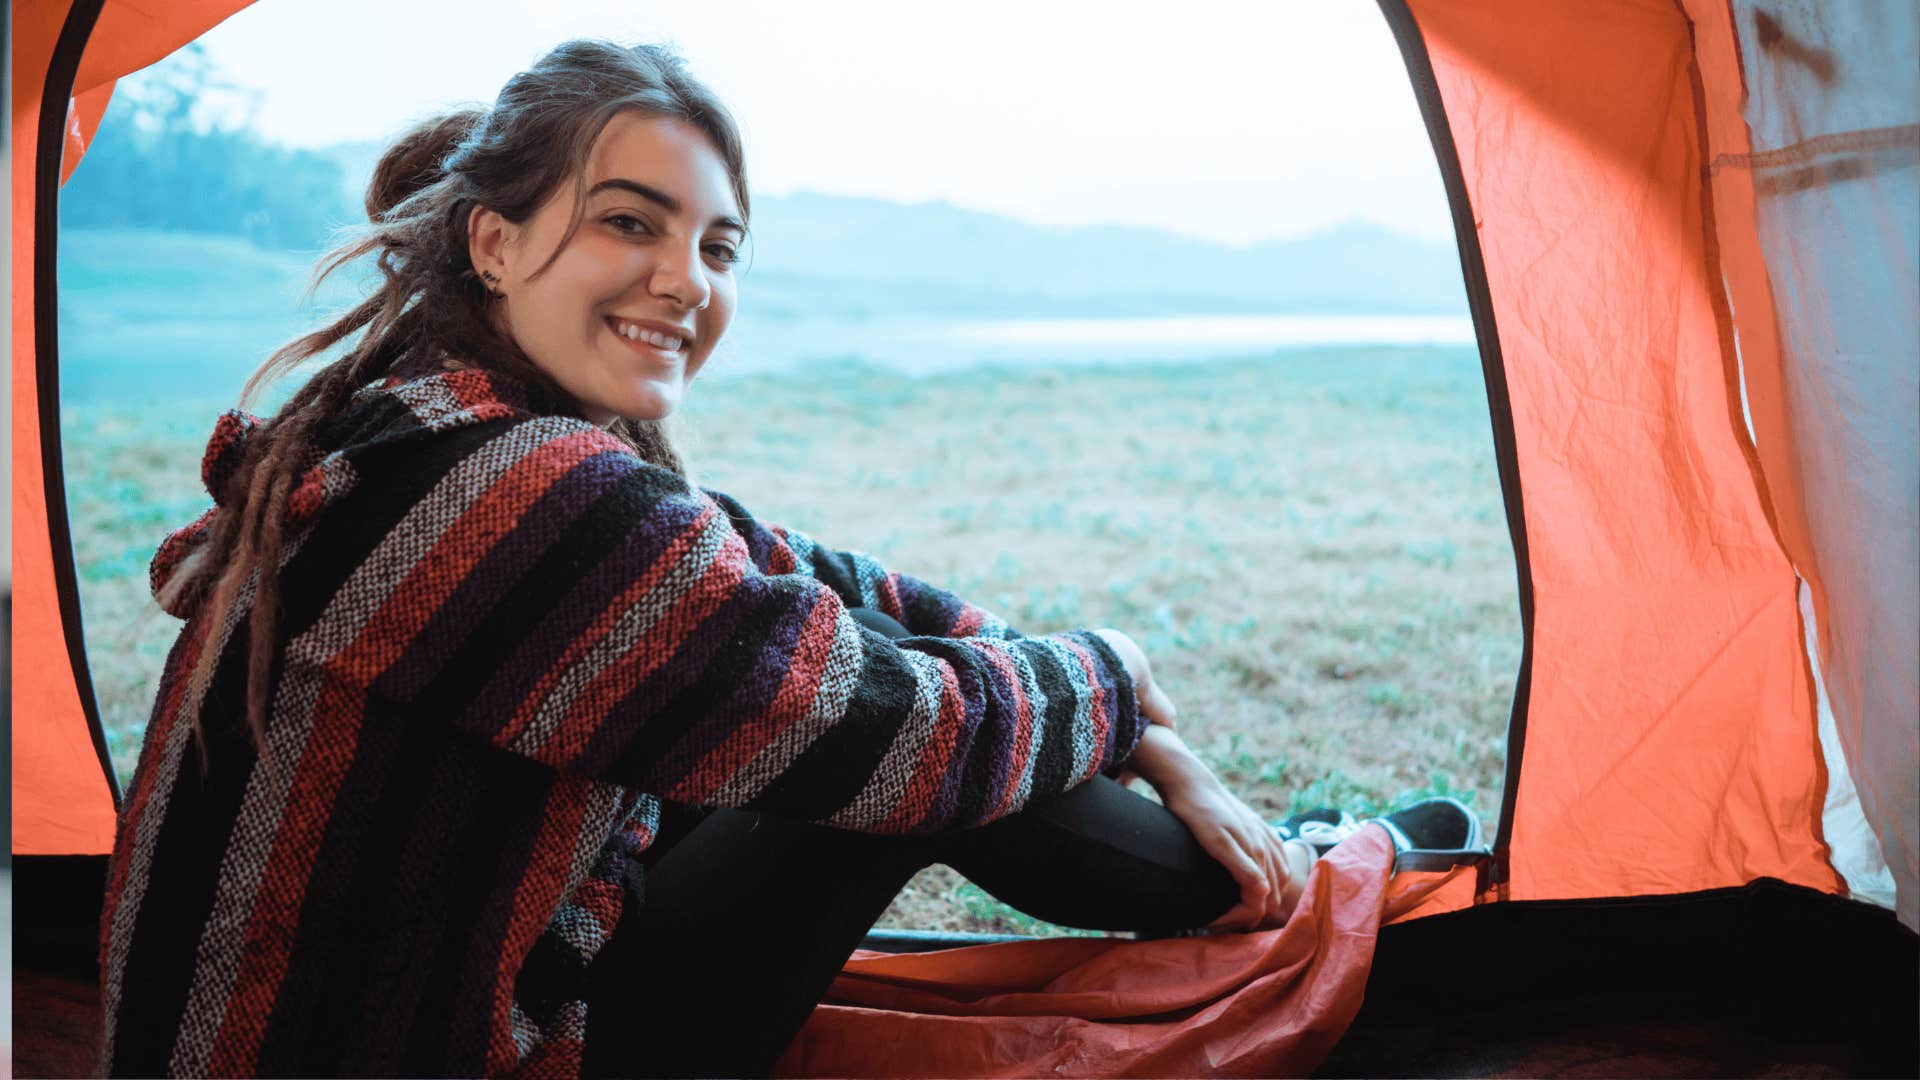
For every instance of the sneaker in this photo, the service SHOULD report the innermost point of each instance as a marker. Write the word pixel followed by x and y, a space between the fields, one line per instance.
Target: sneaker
pixel 1440 823
pixel 1321 827
pixel 1436 824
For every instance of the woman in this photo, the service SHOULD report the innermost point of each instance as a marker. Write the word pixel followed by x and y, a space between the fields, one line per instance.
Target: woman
pixel 493 745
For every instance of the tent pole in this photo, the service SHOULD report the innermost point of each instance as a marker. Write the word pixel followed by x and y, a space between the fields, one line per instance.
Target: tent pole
pixel 55 94
pixel 1426 89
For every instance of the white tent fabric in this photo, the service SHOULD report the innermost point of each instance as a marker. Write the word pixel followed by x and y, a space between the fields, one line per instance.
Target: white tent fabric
pixel 1834 109
pixel 1856 850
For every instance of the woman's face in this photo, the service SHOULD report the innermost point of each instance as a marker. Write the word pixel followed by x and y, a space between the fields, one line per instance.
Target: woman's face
pixel 628 312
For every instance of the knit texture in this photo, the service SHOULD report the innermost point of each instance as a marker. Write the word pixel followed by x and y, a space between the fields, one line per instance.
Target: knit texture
pixel 504 641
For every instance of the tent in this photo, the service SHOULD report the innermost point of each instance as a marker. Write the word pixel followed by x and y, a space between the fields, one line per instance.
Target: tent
pixel 1690 234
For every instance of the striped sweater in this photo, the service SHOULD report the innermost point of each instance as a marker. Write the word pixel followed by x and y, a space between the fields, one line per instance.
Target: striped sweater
pixel 504 641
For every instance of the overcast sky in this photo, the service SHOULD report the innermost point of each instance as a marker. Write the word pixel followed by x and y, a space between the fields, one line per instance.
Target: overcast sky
pixel 1237 121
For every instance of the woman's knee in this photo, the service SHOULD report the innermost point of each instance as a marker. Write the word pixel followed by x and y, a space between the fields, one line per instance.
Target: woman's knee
pixel 879 622
pixel 1098 856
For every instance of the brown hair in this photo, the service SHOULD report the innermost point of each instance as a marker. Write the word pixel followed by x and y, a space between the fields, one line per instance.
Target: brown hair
pixel 429 305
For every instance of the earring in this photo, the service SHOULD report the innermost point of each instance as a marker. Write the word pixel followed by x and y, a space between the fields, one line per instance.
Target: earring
pixel 493 282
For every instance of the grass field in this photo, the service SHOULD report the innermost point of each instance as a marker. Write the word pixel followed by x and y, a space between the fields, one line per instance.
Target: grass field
pixel 1310 546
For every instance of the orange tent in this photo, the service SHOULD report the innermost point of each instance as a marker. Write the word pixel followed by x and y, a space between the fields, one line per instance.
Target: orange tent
pixel 1688 232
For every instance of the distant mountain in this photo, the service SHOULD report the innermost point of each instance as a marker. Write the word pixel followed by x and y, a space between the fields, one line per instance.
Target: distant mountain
pixel 838 256
pixel 937 250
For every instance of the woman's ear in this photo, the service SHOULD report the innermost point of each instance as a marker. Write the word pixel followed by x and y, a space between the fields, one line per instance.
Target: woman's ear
pixel 488 236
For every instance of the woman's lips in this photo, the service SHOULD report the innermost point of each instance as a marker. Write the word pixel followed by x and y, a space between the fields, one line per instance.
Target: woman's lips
pixel 643 346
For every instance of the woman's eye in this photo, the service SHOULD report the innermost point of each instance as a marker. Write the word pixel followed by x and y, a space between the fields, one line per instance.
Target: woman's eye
pixel 635 226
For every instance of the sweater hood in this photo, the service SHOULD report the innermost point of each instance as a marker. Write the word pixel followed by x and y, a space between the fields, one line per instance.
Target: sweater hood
pixel 398 408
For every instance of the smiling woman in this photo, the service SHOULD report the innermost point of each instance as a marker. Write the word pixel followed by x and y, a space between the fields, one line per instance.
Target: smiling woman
pixel 503 663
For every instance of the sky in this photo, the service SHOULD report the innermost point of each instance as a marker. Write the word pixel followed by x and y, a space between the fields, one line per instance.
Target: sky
pixel 1234 121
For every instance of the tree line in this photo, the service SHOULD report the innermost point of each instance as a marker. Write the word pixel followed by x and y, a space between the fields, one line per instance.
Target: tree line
pixel 177 150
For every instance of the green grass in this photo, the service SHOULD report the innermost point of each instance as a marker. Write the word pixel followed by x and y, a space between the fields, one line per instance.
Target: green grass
pixel 1310 547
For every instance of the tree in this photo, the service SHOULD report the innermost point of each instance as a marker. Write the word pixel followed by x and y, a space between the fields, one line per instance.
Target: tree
pixel 178 151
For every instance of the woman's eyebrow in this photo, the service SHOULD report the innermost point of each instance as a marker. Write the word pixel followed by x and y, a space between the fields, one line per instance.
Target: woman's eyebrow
pixel 666 201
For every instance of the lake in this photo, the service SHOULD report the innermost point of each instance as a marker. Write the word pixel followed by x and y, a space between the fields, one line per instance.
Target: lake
pixel 928 346
pixel 194 348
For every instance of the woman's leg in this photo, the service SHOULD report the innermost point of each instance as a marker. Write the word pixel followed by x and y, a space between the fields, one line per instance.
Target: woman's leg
pixel 746 921
pixel 1098 857
pixel 748 917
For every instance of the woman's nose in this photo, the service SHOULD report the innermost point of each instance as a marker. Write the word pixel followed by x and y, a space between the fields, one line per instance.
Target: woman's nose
pixel 679 277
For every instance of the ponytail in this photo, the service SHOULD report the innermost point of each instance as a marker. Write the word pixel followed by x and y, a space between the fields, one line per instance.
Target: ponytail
pixel 418 159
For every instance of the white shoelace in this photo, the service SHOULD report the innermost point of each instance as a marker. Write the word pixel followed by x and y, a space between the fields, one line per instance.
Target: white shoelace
pixel 1323 834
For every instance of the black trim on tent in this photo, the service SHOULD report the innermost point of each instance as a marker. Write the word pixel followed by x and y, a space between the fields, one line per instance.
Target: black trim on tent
pixel 1754 980
pixel 57 903
pixel 1473 268
pixel 54 95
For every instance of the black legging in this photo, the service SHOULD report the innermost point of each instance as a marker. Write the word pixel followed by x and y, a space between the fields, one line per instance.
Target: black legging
pixel 748 917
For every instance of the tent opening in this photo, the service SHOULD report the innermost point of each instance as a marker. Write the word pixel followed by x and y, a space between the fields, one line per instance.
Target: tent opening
pixel 1255 438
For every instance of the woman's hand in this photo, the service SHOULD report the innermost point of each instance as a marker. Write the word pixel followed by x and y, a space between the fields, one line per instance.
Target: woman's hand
pixel 1272 875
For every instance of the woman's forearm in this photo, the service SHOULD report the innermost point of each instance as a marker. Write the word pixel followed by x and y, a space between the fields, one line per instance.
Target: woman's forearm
pixel 1164 760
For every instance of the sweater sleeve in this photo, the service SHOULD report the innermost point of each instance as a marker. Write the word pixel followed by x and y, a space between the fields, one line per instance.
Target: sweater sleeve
pixel 861 581
pixel 595 614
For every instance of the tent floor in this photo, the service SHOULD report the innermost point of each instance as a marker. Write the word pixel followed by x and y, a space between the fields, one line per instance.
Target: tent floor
pixel 1765 980
pixel 1769 980
pixel 56 1025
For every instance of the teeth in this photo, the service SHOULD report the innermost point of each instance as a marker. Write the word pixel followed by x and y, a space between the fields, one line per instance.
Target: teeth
pixel 635 332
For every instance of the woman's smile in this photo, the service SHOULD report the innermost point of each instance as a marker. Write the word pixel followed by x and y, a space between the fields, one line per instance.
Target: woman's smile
pixel 651 339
